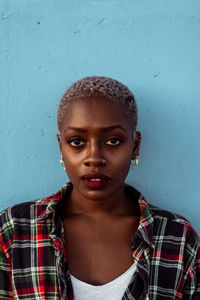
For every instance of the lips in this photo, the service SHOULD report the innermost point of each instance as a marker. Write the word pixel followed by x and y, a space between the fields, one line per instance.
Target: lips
pixel 95 180
pixel 95 176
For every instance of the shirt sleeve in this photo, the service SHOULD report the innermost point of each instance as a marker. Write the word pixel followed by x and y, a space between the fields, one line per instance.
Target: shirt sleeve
pixel 192 281
pixel 5 256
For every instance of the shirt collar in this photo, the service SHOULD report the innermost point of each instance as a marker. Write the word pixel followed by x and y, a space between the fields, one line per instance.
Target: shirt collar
pixel 46 206
pixel 145 228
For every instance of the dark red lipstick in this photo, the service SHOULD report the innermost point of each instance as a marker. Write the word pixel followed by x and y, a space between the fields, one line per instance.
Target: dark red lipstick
pixel 95 180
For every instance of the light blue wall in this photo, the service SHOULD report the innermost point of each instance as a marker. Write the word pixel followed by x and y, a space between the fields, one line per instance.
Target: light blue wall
pixel 151 46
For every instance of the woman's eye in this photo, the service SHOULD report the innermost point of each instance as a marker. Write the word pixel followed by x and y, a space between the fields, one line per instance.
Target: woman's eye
pixel 113 142
pixel 76 142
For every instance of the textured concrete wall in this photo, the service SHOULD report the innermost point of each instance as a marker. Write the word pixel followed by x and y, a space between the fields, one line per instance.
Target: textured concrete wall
pixel 152 46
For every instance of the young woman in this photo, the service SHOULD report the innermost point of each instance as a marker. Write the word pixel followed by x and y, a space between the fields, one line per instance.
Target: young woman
pixel 97 238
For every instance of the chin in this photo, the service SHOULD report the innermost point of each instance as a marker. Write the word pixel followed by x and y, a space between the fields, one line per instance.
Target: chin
pixel 100 194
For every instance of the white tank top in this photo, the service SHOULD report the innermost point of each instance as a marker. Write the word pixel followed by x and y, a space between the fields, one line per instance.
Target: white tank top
pixel 113 290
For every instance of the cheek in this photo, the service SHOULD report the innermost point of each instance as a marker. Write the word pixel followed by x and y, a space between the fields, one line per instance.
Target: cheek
pixel 72 167
pixel 71 161
pixel 121 160
pixel 71 157
pixel 122 167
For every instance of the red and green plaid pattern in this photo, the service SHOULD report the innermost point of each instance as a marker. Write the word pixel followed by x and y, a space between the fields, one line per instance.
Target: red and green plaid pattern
pixel 33 255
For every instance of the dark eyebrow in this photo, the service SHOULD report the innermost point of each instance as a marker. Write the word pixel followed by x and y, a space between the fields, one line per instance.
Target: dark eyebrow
pixel 104 129
pixel 113 127
pixel 79 129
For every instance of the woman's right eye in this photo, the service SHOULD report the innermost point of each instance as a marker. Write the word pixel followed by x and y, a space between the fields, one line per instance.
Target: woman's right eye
pixel 76 142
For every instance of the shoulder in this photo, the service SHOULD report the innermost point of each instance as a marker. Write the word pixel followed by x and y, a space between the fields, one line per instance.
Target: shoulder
pixel 10 215
pixel 29 211
pixel 16 216
pixel 174 229
pixel 161 222
pixel 32 210
pixel 19 211
pixel 169 218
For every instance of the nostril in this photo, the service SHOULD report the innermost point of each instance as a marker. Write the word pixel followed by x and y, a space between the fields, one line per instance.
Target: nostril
pixel 96 163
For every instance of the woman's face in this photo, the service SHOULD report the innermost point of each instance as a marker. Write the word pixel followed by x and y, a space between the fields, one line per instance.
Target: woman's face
pixel 97 144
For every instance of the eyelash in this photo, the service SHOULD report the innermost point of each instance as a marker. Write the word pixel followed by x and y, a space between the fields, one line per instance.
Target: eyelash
pixel 73 140
pixel 70 141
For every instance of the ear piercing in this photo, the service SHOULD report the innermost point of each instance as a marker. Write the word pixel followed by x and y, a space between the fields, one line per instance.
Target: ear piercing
pixel 62 162
pixel 139 135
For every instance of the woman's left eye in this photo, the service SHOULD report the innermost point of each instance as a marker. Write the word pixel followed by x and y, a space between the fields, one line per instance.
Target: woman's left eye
pixel 113 142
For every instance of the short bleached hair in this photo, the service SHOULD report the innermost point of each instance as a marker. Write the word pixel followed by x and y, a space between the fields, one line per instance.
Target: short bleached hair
pixel 105 87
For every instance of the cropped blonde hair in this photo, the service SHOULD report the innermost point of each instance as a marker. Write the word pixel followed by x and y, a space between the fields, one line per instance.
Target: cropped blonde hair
pixel 105 87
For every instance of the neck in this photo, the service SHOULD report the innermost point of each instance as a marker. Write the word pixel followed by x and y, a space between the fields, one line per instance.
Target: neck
pixel 116 204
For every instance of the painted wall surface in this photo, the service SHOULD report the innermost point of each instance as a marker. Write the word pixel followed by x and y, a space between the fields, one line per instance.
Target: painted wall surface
pixel 151 46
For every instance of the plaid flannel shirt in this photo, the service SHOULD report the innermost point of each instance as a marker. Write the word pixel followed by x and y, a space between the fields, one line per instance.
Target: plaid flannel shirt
pixel 33 263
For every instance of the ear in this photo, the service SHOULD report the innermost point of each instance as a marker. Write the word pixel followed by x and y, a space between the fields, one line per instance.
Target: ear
pixel 137 142
pixel 59 141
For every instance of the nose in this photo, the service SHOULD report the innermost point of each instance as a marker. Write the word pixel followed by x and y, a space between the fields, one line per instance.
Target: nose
pixel 94 156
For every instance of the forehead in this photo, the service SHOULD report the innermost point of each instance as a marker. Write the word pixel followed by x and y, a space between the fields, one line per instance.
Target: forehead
pixel 94 112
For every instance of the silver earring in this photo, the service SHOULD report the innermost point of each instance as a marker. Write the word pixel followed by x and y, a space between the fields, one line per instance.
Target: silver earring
pixel 136 160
